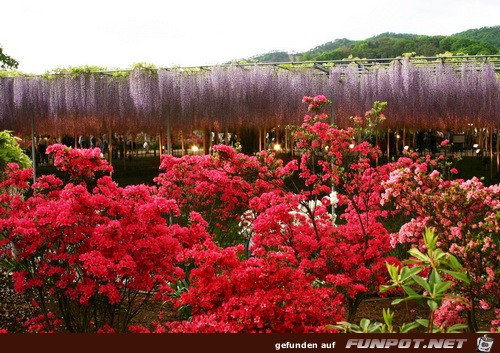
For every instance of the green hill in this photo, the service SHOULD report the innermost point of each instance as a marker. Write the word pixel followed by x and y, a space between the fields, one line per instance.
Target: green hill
pixel 482 41
pixel 489 35
pixel 273 56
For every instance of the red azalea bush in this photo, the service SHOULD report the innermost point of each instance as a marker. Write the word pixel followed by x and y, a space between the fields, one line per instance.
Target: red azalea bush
pixel 78 163
pixel 337 160
pixel 100 254
pixel 218 186
pixel 262 294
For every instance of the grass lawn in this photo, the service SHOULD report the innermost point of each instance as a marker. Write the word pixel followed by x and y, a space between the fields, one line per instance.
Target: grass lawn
pixel 139 170
pixel 143 169
pixel 469 167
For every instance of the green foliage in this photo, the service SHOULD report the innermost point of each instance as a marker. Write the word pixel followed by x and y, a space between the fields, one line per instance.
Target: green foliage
pixel 366 326
pixel 328 47
pixel 460 45
pixel 12 73
pixel 272 57
pixel 181 286
pixel 75 71
pixel 483 41
pixel 10 152
pixel 490 35
pixel 432 288
pixel 366 126
pixel 144 66
pixel 391 47
pixel 7 62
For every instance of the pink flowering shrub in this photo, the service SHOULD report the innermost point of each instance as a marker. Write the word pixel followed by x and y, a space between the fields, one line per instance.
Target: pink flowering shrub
pixel 495 323
pixel 465 214
pixel 449 314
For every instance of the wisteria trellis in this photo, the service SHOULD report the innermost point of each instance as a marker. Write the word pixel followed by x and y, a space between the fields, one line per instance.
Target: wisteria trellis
pixel 418 96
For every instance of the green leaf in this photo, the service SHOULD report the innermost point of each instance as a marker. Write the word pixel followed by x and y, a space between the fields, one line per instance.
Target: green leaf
pixel 11 152
pixel 422 322
pixel 422 283
pixel 458 275
pixel 408 290
pixel 407 272
pixel 364 324
pixel 418 254
pixel 388 316
pixel 412 261
pixel 432 304
pixel 412 297
pixel 453 263
pixel 383 288
pixel 408 327
pixel 393 271
pixel 438 254
pixel 441 287
pixel 375 327
pixel 430 239
pixel 397 301
pixel 434 278
pixel 457 328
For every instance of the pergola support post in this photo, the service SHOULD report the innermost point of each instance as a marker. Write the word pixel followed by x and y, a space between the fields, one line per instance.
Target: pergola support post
pixel 33 147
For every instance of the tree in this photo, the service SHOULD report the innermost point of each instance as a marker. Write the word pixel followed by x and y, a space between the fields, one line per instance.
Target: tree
pixel 6 61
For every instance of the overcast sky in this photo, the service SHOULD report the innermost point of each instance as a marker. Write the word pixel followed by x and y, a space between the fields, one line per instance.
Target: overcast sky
pixel 48 34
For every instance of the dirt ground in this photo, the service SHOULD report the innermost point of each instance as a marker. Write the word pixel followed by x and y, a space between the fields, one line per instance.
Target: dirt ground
pixel 15 308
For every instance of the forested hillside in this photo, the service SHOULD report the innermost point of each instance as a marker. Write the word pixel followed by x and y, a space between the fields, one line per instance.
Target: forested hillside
pixel 482 41
pixel 489 35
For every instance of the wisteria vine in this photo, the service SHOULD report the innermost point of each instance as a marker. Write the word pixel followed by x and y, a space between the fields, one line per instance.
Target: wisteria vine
pixel 442 95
